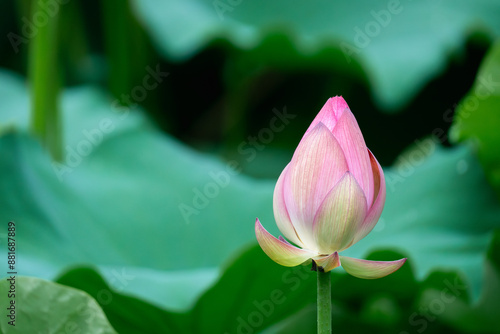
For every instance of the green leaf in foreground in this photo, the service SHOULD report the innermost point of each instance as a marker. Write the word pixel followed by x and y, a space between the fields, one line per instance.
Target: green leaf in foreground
pixel 46 307
pixel 254 294
pixel 127 314
pixel 478 116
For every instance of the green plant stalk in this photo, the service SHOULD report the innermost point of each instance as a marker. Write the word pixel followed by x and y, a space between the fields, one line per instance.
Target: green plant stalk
pixel 324 302
pixel 116 19
pixel 44 80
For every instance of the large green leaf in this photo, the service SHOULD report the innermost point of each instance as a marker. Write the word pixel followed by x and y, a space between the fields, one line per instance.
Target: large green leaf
pixel 443 295
pixel 478 116
pixel 118 208
pixel 41 306
pixel 254 294
pixel 400 44
pixel 394 304
pixel 127 314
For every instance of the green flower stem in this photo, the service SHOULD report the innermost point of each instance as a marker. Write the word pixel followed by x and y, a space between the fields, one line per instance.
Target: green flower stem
pixel 324 302
pixel 44 80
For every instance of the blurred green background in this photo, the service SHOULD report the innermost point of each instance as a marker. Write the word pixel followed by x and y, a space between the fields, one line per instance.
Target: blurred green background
pixel 140 139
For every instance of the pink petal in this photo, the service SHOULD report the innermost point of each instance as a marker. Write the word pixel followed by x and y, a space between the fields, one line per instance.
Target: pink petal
pixel 280 238
pixel 281 213
pixel 317 164
pixel 328 262
pixel 279 251
pixel 340 215
pixel 330 113
pixel 370 269
pixel 351 140
pixel 375 211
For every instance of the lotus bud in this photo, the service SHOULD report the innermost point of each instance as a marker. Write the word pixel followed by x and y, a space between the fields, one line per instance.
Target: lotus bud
pixel 328 197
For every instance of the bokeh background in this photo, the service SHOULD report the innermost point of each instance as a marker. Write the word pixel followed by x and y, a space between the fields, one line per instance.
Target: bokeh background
pixel 140 139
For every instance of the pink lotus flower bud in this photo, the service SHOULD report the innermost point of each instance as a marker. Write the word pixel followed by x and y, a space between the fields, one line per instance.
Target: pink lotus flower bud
pixel 328 197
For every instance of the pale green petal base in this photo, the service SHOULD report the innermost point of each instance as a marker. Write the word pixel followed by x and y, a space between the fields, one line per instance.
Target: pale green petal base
pixel 328 262
pixel 369 269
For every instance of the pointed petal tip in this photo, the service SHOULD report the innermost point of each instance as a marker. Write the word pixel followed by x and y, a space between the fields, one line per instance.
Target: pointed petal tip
pixel 350 138
pixel 338 105
pixel 329 114
pixel 337 99
pixel 367 269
